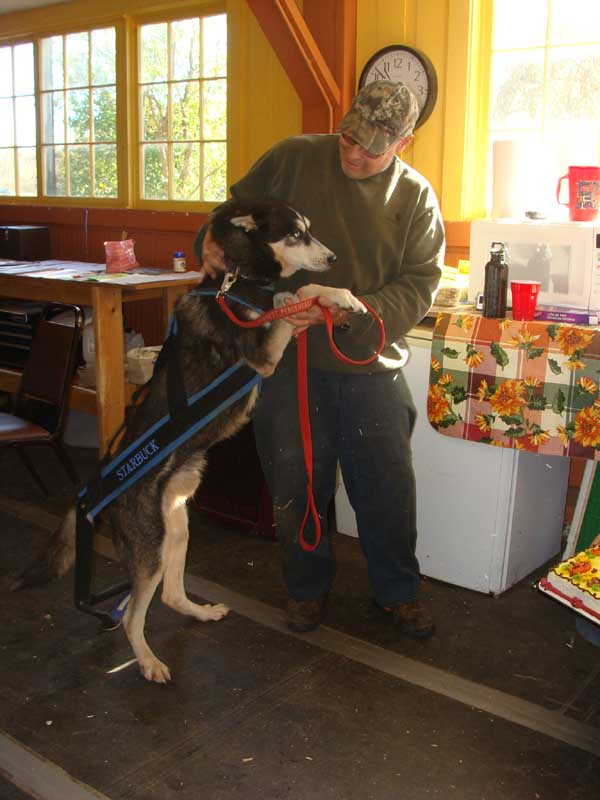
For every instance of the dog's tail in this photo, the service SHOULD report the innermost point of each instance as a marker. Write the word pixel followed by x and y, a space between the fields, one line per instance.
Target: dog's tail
pixel 56 558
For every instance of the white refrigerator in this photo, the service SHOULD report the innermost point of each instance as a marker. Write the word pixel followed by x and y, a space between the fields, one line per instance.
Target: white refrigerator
pixel 486 516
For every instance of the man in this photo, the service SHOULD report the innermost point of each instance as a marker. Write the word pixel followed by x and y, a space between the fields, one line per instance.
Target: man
pixel 382 220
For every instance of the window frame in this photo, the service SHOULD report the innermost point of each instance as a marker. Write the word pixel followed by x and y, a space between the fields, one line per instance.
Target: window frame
pixel 29 198
pixel 464 161
pixel 120 200
pixel 135 186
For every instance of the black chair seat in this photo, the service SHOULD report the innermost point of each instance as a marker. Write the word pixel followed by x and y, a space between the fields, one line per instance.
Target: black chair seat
pixel 17 430
pixel 42 399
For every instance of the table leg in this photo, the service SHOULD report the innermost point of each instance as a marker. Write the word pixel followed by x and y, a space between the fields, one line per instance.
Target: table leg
pixel 170 295
pixel 110 371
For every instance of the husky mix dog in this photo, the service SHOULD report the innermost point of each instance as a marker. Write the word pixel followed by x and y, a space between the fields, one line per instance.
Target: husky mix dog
pixel 149 521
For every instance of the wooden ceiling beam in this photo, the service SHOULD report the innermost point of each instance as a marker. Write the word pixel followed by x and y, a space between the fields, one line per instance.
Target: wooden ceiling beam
pixel 322 82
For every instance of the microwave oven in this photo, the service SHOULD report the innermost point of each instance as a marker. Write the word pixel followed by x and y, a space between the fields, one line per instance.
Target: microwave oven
pixel 563 256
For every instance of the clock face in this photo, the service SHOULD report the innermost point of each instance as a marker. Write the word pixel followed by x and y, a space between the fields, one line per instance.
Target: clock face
pixel 401 63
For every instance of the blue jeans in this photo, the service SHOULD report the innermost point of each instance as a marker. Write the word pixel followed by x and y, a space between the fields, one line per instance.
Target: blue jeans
pixel 364 422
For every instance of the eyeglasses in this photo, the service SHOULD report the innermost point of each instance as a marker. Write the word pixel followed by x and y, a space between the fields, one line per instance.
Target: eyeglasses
pixel 348 140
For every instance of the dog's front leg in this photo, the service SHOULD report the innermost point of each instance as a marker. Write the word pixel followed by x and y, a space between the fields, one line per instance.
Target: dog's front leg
pixel 134 622
pixel 274 343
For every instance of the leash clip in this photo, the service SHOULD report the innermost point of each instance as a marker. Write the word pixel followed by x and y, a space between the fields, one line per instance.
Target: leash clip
pixel 230 278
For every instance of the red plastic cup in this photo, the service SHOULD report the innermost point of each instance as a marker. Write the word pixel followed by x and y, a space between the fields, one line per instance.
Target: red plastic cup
pixel 524 298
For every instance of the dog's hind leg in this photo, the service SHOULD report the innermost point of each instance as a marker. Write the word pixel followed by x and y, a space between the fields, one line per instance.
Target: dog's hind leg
pixel 133 623
pixel 179 488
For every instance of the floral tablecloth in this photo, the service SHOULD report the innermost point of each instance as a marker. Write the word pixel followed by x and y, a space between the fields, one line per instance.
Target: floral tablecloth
pixel 526 385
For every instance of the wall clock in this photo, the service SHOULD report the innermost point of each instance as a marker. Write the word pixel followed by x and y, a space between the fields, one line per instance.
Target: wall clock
pixel 398 62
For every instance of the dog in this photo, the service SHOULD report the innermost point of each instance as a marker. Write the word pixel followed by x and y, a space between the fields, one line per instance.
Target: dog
pixel 262 242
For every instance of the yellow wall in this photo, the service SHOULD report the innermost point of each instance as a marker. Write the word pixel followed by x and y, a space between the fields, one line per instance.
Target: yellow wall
pixel 265 108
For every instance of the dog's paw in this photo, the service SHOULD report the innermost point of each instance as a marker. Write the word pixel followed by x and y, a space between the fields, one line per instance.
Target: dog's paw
pixel 154 670
pixel 210 613
pixel 329 295
pixel 349 302
pixel 284 299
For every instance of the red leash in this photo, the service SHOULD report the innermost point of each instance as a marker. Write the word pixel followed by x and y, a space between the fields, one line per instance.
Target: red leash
pixel 302 366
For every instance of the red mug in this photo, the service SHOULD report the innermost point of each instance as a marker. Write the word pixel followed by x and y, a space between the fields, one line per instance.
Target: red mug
pixel 584 193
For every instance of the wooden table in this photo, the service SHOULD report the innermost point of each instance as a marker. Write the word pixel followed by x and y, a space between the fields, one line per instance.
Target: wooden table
pixel 110 397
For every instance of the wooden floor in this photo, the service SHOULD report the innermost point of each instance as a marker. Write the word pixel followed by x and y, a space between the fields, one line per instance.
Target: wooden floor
pixel 504 702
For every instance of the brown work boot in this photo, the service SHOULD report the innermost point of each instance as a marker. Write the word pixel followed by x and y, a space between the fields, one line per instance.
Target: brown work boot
pixel 413 619
pixel 305 615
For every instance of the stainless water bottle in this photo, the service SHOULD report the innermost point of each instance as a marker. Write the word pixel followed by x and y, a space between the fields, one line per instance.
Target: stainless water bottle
pixel 495 287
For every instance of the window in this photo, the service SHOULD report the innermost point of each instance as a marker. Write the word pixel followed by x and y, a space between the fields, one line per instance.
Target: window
pixel 183 104
pixel 68 112
pixel 545 91
pixel 18 165
pixel 78 100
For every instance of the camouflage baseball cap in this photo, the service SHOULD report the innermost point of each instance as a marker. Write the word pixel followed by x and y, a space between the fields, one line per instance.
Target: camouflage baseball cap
pixel 381 113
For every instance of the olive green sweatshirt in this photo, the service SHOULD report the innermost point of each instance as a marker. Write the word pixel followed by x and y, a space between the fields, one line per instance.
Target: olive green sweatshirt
pixel 386 231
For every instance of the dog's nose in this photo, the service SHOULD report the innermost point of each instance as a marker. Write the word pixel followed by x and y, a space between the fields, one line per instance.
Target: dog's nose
pixel 332 258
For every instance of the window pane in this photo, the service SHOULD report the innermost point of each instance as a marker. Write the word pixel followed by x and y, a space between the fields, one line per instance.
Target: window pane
pixel 27 171
pixel 7 172
pixel 215 172
pixel 185 45
pixel 105 170
pixel 80 176
pixel 7 133
pixel 517 89
pixel 154 53
pixel 186 171
pixel 6 87
pixel 52 63
pixel 573 85
pixel 575 21
pixel 54 171
pixel 25 118
pixel 103 56
pixel 155 170
pixel 214 46
pixel 180 109
pixel 77 53
pixel 519 23
pixel 78 115
pixel 105 114
pixel 185 110
pixel 154 112
pixel 214 108
pixel 23 54
pixel 53 121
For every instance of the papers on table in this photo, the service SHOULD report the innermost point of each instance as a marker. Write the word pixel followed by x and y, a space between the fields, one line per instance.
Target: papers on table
pixel 130 278
pixel 83 271
pixel 53 269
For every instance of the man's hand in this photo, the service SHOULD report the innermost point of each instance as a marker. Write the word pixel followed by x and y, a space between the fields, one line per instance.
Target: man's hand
pixel 213 261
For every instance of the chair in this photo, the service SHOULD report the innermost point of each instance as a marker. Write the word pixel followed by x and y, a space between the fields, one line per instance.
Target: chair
pixel 41 402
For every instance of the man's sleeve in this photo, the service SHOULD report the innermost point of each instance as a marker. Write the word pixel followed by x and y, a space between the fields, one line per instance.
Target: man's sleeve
pixel 403 302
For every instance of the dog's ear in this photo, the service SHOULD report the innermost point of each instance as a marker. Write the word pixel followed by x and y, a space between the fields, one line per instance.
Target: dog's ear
pixel 247 223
